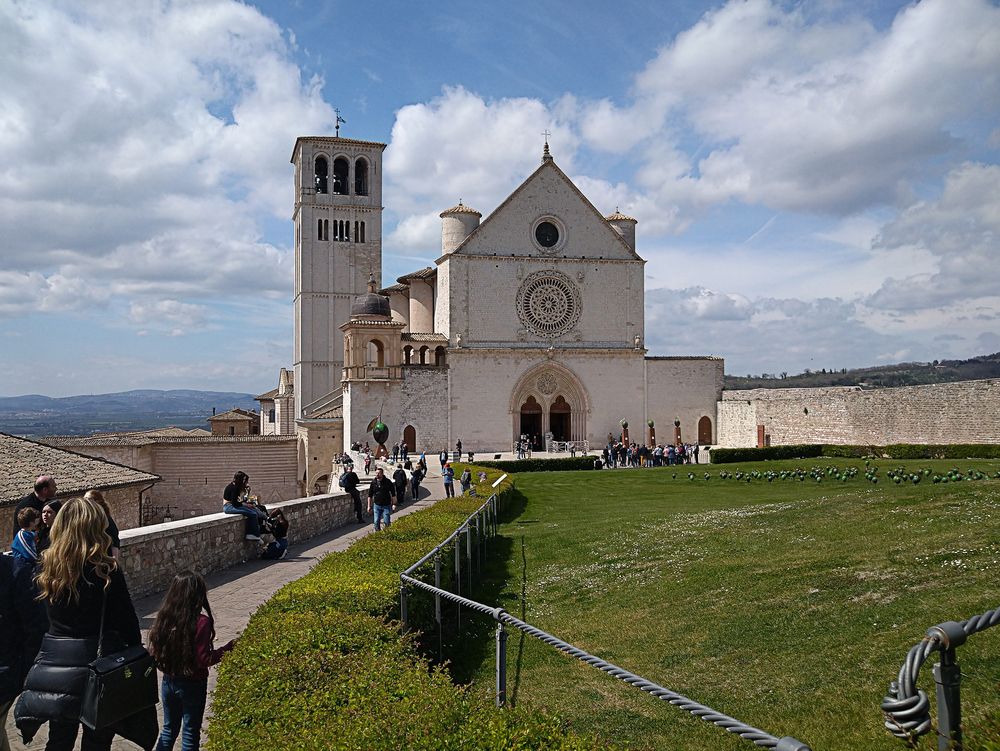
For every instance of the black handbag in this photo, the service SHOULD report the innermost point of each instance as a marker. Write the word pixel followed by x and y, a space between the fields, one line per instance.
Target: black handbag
pixel 118 685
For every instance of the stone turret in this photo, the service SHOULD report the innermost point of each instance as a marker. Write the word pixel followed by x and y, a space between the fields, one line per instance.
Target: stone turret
pixel 624 226
pixel 457 223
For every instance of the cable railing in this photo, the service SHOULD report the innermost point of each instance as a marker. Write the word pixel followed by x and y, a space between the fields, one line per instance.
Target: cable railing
pixel 483 524
pixel 906 707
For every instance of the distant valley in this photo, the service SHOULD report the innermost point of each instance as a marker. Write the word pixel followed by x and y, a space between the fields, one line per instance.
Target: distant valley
pixel 35 416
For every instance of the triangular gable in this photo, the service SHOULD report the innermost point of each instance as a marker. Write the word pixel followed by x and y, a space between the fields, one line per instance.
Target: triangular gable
pixel 546 191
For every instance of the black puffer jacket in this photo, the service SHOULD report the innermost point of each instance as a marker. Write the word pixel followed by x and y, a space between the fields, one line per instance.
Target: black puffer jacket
pixel 22 623
pixel 54 686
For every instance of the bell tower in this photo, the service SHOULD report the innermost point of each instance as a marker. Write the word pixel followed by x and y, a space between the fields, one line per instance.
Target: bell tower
pixel 338 243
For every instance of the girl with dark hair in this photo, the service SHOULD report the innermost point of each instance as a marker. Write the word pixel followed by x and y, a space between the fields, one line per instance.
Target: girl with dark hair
pixel 181 642
pixel 43 538
pixel 234 499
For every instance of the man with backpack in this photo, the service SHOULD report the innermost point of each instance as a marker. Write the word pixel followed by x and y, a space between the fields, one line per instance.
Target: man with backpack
pixel 349 481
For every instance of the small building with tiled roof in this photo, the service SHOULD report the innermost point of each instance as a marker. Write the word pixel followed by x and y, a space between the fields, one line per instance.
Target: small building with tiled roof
pixel 125 488
pixel 235 422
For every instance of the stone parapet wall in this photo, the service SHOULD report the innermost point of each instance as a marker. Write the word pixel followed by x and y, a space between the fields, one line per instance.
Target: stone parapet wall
pixel 152 555
pixel 960 412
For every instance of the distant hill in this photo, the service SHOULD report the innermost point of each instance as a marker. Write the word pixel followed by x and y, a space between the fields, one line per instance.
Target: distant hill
pixel 36 415
pixel 882 376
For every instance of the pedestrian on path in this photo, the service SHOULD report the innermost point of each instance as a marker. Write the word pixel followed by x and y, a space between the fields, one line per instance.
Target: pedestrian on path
pixel 381 495
pixel 466 480
pixel 84 590
pixel 181 642
pixel 449 480
pixel 399 480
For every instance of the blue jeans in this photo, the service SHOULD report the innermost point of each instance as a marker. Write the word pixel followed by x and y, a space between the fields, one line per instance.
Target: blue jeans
pixel 382 516
pixel 253 518
pixel 183 703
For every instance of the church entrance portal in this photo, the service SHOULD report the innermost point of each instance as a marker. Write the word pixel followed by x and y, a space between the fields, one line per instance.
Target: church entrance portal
pixel 559 420
pixel 410 438
pixel 705 431
pixel 531 421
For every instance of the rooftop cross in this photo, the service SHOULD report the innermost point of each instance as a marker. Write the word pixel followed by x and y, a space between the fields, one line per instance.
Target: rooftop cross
pixel 546 156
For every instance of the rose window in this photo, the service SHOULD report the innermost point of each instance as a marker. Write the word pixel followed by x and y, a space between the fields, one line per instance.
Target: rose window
pixel 548 303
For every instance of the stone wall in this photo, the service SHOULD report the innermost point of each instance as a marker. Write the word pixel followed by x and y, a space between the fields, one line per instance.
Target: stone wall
pixel 681 388
pixel 195 472
pixel 962 412
pixel 152 555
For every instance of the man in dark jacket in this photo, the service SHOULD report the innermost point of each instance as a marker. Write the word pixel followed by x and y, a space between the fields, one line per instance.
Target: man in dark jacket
pixel 22 624
pixel 381 496
pixel 399 480
pixel 349 482
pixel 45 490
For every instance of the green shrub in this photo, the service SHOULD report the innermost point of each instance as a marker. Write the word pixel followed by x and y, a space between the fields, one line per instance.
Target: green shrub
pixel 322 665
pixel 802 451
pixel 543 465
pixel 892 451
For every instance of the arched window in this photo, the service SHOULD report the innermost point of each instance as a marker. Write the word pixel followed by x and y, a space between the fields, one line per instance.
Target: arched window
pixel 439 356
pixel 320 173
pixel 361 237
pixel 270 415
pixel 341 167
pixel 319 229
pixel 376 353
pixel 407 354
pixel 423 355
pixel 356 232
pixel 326 229
pixel 361 177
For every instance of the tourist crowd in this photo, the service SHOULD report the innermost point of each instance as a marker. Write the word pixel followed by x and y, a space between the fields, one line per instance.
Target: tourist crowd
pixel 619 454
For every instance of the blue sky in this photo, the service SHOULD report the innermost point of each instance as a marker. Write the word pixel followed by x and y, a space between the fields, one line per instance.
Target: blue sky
pixel 816 183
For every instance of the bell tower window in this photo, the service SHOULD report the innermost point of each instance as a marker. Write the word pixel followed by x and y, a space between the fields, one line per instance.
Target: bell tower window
pixel 361 237
pixel 321 173
pixel 341 169
pixel 361 177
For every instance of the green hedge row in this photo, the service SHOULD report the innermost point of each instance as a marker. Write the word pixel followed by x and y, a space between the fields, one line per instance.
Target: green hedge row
pixel 322 665
pixel 542 465
pixel 892 451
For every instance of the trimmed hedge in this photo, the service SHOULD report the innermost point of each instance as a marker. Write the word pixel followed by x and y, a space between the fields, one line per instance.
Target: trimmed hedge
pixel 322 665
pixel 892 451
pixel 543 465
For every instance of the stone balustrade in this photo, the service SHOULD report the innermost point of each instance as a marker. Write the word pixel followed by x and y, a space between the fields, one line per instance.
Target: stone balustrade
pixel 152 555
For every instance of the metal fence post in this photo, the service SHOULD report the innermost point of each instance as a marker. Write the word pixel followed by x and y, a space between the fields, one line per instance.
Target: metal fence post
pixel 458 576
pixel 402 608
pixel 437 605
pixel 501 671
pixel 468 553
pixel 948 677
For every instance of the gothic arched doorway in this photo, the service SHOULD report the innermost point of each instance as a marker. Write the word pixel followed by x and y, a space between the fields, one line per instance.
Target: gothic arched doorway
pixel 559 419
pixel 705 431
pixel 410 437
pixel 531 421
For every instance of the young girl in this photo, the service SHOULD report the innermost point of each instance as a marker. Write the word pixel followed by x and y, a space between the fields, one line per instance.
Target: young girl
pixel 181 641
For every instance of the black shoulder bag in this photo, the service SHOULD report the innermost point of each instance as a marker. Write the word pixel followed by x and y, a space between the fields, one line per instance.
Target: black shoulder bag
pixel 119 684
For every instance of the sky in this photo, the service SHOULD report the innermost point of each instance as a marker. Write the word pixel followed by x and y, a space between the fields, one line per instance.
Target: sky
pixel 817 183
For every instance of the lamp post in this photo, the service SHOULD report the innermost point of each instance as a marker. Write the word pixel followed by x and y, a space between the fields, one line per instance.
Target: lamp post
pixel 652 434
pixel 677 432
pixel 624 424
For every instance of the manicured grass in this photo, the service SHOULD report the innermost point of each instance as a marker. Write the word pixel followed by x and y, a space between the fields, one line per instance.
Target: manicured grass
pixel 789 604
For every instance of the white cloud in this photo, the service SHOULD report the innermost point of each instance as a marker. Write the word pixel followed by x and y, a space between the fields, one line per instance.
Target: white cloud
pixel 961 230
pixel 141 148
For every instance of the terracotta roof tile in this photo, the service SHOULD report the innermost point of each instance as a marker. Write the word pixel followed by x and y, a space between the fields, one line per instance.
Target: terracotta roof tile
pixel 23 461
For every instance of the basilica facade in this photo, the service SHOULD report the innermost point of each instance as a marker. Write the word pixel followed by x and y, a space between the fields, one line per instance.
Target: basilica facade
pixel 529 323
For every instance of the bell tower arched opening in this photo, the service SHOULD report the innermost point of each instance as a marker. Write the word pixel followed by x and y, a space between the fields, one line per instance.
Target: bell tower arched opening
pixel 341 173
pixel 321 174
pixel 361 177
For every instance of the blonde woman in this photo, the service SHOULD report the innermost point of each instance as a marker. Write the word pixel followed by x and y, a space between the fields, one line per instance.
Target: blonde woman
pixel 112 530
pixel 76 581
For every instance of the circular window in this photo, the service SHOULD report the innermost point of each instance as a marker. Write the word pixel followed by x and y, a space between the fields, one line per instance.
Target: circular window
pixel 548 303
pixel 547 234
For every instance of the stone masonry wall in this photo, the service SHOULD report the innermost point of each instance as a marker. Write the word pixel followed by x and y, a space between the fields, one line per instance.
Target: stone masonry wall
pixel 962 412
pixel 152 555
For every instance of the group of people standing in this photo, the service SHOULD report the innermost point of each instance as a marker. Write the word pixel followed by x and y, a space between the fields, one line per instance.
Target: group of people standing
pixel 63 597
pixel 619 454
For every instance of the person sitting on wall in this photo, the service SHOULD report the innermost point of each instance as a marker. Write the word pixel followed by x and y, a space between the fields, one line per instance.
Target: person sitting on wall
pixel 278 525
pixel 233 502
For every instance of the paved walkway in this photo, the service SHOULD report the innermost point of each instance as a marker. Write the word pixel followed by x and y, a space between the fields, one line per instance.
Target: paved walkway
pixel 237 592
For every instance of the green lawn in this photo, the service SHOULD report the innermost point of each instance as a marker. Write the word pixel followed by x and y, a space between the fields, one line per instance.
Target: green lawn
pixel 789 604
